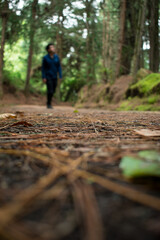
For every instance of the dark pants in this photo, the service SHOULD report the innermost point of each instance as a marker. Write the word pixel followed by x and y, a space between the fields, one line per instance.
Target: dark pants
pixel 51 88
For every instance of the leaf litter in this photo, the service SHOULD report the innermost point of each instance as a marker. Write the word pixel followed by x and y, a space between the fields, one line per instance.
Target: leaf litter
pixel 60 176
pixel 7 116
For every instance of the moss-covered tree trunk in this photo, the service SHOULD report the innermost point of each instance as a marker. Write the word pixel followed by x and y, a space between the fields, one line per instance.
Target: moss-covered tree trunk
pixel 138 42
pixel 31 43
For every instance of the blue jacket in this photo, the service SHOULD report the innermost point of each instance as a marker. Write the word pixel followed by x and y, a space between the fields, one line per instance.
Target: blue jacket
pixel 51 66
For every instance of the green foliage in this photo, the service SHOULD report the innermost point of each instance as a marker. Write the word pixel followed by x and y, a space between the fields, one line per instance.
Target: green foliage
pixel 15 59
pixel 37 86
pixel 125 106
pixel 70 88
pixel 75 56
pixel 106 74
pixel 13 79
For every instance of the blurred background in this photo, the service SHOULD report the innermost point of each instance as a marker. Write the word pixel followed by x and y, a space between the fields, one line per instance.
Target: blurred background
pixel 97 41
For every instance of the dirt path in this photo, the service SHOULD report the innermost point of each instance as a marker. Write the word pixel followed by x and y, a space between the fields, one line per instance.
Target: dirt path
pixel 60 176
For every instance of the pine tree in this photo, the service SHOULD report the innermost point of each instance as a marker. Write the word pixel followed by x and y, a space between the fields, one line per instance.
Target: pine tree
pixel 4 8
pixel 31 43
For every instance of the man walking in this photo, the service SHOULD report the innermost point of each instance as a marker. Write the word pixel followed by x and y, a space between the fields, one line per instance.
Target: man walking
pixel 51 67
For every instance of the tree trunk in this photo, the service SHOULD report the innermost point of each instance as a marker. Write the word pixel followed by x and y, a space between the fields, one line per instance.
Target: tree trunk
pixel 89 42
pixel 59 47
pixel 30 53
pixel 129 36
pixel 59 51
pixel 105 41
pixel 138 42
pixel 59 39
pixel 141 60
pixel 4 16
pixel 121 35
pixel 154 35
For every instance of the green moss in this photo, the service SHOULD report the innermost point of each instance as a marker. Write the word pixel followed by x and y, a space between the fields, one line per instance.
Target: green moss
pixel 143 108
pixel 147 85
pixel 147 107
pixel 153 99
pixel 129 98
pixel 125 106
pixel 142 73
pixel 140 104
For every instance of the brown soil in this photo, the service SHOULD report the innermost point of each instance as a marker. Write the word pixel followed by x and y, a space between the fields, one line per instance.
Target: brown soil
pixel 105 96
pixel 119 88
pixel 60 176
pixel 11 98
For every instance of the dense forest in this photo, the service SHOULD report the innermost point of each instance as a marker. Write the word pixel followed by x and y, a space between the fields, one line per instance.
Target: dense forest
pixel 96 40
pixel 85 164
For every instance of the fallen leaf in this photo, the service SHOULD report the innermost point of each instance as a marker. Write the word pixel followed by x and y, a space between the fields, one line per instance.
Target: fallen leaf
pixel 148 132
pixel 150 155
pixel 7 115
pixel 24 123
pixel 136 167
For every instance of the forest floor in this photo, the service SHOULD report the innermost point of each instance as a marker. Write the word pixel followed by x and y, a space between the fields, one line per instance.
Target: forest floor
pixel 60 175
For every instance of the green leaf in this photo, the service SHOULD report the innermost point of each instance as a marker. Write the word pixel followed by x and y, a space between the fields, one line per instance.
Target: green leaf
pixel 135 167
pixel 149 155
pixel 76 111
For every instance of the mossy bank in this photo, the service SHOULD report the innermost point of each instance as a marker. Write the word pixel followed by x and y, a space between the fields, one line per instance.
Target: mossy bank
pixel 126 94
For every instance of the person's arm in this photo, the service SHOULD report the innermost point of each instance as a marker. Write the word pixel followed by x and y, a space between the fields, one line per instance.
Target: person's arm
pixel 43 71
